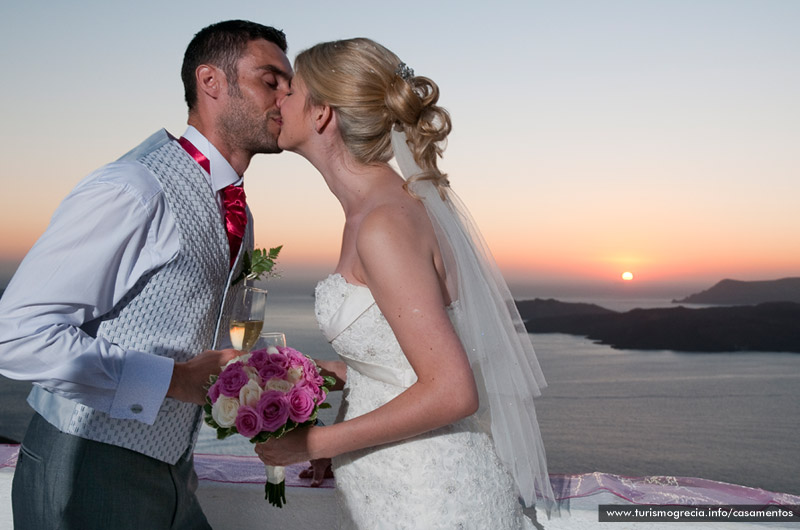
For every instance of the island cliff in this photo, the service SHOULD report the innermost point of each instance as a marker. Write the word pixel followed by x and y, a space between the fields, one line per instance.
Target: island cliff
pixel 736 292
pixel 768 327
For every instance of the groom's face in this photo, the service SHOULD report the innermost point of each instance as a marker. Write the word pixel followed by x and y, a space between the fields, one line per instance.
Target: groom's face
pixel 251 120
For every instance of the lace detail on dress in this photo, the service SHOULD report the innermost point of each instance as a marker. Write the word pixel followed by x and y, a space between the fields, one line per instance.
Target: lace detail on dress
pixel 448 478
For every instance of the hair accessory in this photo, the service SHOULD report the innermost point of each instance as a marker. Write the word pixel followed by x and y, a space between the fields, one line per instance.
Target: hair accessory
pixel 404 71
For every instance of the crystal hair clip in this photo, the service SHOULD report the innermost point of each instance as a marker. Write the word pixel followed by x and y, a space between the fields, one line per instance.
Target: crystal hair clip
pixel 404 71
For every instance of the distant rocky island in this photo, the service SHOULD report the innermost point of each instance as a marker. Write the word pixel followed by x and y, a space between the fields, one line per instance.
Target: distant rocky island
pixel 770 324
pixel 735 292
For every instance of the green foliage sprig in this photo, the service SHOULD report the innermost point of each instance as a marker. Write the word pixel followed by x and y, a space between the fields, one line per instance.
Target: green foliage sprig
pixel 258 263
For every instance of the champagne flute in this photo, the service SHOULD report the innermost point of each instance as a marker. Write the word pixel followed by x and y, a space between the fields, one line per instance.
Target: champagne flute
pixel 270 338
pixel 247 317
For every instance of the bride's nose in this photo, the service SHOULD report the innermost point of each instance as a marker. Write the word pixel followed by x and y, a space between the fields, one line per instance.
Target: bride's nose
pixel 281 99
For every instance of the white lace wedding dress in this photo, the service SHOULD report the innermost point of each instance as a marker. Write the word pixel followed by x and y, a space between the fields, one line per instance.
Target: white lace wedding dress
pixel 448 478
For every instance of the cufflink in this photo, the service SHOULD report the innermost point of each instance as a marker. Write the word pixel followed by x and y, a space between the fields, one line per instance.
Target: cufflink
pixel 136 409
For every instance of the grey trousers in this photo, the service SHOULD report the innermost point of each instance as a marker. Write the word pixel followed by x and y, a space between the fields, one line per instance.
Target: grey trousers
pixel 65 482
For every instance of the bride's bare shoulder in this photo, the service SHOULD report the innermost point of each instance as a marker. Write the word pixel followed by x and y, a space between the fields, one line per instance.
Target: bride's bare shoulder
pixel 395 225
pixel 396 216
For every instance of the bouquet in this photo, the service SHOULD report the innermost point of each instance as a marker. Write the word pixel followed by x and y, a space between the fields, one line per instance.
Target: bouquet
pixel 265 394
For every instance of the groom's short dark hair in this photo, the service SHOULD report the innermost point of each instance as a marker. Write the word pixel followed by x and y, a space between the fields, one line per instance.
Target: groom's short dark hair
pixel 221 45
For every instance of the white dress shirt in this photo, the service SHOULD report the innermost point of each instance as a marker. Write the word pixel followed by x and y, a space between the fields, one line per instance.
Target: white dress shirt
pixel 113 228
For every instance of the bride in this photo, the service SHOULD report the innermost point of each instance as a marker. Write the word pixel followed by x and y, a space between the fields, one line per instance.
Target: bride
pixel 437 427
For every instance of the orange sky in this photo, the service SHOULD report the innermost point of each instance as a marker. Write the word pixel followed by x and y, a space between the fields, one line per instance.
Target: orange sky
pixel 590 138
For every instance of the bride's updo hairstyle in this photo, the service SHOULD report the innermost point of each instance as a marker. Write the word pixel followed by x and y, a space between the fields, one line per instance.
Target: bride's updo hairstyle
pixel 372 91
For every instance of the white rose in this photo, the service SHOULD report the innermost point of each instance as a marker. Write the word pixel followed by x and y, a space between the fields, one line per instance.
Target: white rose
pixel 250 393
pixel 224 411
pixel 242 358
pixel 252 373
pixel 293 375
pixel 279 384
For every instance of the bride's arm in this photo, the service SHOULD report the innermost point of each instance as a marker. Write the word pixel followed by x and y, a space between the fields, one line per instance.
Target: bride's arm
pixel 397 259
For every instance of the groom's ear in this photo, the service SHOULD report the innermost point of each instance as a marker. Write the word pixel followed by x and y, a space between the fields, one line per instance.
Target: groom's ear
pixel 210 80
pixel 323 116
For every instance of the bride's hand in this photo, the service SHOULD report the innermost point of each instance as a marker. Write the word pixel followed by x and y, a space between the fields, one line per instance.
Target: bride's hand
pixel 318 471
pixel 336 369
pixel 290 448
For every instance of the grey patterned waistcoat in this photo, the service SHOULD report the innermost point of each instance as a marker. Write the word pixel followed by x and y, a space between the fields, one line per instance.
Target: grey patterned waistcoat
pixel 174 311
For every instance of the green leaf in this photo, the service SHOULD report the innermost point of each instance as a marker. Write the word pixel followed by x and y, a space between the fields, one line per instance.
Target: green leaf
pixel 258 263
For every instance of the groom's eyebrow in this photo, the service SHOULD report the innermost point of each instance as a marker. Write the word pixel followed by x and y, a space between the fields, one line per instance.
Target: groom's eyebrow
pixel 277 71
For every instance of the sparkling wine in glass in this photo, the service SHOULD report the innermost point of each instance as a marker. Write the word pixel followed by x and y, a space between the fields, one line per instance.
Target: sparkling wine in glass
pixel 247 318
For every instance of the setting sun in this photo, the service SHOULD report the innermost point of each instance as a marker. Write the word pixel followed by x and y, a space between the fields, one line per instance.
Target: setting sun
pixel 627 276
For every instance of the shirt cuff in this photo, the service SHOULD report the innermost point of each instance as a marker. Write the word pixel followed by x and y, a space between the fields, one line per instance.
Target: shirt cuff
pixel 142 387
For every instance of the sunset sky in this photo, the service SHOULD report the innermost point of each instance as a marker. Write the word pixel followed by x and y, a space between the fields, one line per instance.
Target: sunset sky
pixel 591 137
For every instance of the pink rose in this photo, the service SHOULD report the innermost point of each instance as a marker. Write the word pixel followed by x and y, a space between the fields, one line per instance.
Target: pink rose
pixel 273 408
pixel 213 392
pixel 301 403
pixel 279 359
pixel 309 365
pixel 248 421
pixel 295 357
pixel 311 374
pixel 272 371
pixel 321 395
pixel 313 390
pixel 232 379
pixel 258 359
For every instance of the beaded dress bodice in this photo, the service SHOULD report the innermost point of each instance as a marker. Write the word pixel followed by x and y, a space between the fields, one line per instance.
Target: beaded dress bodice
pixel 447 478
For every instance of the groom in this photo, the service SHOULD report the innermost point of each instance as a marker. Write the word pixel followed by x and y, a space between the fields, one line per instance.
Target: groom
pixel 115 311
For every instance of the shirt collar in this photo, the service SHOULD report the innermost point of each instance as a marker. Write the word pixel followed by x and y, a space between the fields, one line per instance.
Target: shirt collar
pixel 222 174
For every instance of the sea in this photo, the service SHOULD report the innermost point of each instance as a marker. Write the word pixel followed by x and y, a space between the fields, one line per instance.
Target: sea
pixel 729 417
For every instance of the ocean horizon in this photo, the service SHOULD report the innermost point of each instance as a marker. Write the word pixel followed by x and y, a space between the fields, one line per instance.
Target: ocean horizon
pixel 729 417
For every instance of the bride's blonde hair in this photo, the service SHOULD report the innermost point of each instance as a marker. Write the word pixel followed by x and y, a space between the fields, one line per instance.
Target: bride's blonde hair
pixel 372 91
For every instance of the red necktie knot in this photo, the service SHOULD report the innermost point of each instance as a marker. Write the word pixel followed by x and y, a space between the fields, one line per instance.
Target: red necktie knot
pixel 234 201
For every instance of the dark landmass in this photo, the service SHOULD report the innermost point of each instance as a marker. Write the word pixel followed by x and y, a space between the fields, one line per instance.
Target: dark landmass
pixel 768 327
pixel 539 308
pixel 735 292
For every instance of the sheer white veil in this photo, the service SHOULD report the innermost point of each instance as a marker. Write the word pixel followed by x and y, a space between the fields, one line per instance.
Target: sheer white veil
pixel 498 346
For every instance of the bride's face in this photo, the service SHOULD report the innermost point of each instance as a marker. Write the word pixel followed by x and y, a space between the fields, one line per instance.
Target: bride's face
pixel 294 114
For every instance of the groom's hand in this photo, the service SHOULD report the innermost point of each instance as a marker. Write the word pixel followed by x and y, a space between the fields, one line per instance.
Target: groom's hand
pixel 189 379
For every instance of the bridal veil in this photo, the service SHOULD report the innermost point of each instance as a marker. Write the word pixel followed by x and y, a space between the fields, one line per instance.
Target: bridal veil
pixel 492 332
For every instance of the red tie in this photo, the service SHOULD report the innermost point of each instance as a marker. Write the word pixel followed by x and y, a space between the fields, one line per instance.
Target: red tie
pixel 233 200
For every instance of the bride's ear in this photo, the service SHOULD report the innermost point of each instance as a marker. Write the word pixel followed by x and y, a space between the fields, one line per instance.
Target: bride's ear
pixel 324 117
